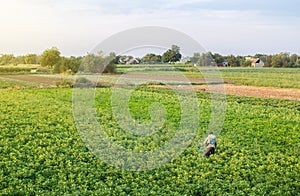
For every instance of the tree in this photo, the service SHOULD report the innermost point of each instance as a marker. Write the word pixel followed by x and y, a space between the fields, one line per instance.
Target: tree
pixel 206 60
pixel 7 59
pixel 151 58
pixel 98 63
pixel 218 58
pixel 75 63
pixel 31 59
pixel 232 61
pixel 241 61
pixel 195 58
pixel 50 58
pixel 267 59
pixel 18 60
pixel 175 48
pixel 246 63
pixel 172 55
pixel 280 60
pixel 114 58
pixel 293 60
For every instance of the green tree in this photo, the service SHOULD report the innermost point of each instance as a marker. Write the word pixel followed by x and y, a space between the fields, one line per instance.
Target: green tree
pixel 115 58
pixel 31 59
pixel 232 61
pixel 267 59
pixel 18 60
pixel 246 63
pixel 75 63
pixel 293 60
pixel 175 48
pixel 50 58
pixel 218 58
pixel 7 59
pixel 151 58
pixel 298 62
pixel 195 58
pixel 276 61
pixel 172 55
pixel 98 63
pixel 241 61
pixel 280 60
pixel 206 59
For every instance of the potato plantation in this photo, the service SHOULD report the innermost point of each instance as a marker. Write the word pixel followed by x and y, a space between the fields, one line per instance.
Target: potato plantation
pixel 41 152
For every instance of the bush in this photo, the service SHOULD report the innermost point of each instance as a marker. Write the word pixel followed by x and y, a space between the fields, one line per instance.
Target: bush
pixel 7 70
pixel 64 83
pixel 83 82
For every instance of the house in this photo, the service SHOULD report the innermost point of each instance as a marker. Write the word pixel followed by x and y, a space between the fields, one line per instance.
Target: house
pixel 185 60
pixel 223 64
pixel 255 62
pixel 128 60
pixel 133 61
pixel 33 70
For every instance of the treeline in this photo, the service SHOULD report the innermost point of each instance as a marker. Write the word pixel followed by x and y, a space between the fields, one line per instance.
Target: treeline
pixel 170 56
pixel 99 63
pixel 277 60
pixel 55 63
pixel 91 63
pixel 50 59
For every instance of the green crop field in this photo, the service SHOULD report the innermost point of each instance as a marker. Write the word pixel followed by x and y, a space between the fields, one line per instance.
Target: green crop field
pixel 41 152
pixel 270 77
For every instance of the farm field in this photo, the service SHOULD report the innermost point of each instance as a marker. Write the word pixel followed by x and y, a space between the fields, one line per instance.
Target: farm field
pixel 42 153
pixel 265 83
pixel 268 77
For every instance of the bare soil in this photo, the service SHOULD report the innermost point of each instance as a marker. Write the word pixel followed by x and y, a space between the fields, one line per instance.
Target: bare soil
pixel 36 79
pixel 228 88
pixel 253 91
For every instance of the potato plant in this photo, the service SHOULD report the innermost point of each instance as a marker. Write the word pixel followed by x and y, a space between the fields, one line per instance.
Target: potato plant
pixel 41 152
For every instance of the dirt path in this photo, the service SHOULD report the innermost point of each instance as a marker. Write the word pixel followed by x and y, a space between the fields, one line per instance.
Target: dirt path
pixel 253 91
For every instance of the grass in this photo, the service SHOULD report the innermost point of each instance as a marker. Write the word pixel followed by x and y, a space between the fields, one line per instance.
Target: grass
pixel 268 77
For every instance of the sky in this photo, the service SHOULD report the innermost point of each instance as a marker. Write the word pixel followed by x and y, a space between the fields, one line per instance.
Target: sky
pixel 75 27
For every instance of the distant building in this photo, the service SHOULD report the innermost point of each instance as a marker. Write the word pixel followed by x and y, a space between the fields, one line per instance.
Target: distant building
pixel 223 64
pixel 255 62
pixel 133 61
pixel 185 60
pixel 33 70
pixel 128 60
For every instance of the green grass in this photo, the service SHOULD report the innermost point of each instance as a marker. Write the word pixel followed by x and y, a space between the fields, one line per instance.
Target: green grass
pixel 41 152
pixel 269 77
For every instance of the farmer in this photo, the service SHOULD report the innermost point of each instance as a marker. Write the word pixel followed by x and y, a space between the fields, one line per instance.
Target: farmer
pixel 210 143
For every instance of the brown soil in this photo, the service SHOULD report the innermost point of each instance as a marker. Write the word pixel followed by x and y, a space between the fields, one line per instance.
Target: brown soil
pixel 253 91
pixel 37 79
pixel 266 92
